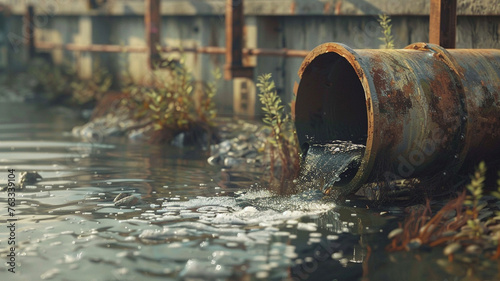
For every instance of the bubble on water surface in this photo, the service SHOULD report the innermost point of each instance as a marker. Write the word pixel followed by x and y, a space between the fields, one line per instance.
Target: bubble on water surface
pixel 49 274
pixel 307 226
pixel 205 270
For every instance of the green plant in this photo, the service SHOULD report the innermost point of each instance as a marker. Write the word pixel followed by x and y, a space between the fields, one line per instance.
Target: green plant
pixel 283 139
pixel 472 201
pixel 61 83
pixel 90 90
pixel 496 237
pixel 385 22
pixel 206 108
pixel 421 227
pixel 165 103
pixel 169 102
pixel 53 81
pixel 475 187
pixel 137 94
pixel 471 223
pixel 497 193
pixel 172 103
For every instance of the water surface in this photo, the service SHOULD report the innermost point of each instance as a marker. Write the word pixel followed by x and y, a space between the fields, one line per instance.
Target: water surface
pixel 194 221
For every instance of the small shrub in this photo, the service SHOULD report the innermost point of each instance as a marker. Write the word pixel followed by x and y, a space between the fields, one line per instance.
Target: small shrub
pixel 61 84
pixel 89 90
pixel 172 103
pixel 53 81
pixel 282 143
pixel 469 225
pixel 206 109
pixel 169 103
pixel 472 201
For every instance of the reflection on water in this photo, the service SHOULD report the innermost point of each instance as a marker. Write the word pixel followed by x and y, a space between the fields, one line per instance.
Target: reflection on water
pixel 193 222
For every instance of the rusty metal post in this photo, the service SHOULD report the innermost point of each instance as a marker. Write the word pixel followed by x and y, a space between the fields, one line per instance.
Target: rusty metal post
pixel 152 24
pixel 443 23
pixel 234 41
pixel 29 31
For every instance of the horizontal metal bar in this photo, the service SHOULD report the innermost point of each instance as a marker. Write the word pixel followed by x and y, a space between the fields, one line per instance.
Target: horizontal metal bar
pixel 167 49
pixel 205 50
pixel 91 48
pixel 275 52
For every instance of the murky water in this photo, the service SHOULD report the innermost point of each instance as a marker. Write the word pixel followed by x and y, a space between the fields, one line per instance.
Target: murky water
pixel 193 222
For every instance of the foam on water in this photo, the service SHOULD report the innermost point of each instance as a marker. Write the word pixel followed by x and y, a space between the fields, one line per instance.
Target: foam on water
pixel 241 230
pixel 70 229
pixel 251 208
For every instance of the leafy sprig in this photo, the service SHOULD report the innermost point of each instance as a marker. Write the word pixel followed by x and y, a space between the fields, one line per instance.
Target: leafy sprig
pixel 387 38
pixel 283 139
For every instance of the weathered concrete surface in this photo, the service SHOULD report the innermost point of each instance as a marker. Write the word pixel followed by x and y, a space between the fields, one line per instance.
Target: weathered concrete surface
pixel 257 7
pixel 201 23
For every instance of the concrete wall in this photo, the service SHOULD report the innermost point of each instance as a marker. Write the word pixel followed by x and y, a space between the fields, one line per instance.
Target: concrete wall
pixel 288 24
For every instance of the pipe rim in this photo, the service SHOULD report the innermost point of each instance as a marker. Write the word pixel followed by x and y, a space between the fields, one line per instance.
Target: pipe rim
pixel 372 141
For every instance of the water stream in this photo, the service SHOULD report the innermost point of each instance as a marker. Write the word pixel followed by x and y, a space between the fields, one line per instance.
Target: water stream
pixel 324 166
pixel 193 221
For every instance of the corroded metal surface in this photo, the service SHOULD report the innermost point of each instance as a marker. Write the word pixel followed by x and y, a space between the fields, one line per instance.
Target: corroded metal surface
pixel 152 25
pixel 234 41
pixel 443 23
pixel 421 111
pixel 29 27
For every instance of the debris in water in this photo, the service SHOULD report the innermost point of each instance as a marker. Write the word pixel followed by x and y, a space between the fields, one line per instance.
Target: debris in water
pixel 452 248
pixel 28 178
pixel 125 199
pixel 394 233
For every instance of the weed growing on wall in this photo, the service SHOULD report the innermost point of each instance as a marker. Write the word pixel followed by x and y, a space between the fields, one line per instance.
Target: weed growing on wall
pixel 387 38
pixel 282 142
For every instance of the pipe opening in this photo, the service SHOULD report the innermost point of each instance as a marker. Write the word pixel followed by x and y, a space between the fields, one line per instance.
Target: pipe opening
pixel 331 102
pixel 331 106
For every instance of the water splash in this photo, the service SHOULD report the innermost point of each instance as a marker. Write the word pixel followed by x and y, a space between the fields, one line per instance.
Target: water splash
pixel 325 166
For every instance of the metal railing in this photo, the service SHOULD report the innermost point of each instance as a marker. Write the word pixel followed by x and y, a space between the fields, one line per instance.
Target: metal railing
pixel 441 32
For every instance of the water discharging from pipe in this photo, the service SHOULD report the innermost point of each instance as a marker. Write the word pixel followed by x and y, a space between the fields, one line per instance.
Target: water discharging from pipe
pixel 422 112
pixel 324 165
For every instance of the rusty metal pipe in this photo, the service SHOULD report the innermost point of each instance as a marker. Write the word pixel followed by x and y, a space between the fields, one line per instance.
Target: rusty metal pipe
pixel 422 111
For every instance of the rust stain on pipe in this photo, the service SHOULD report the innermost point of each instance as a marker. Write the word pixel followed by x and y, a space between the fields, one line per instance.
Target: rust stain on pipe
pixel 422 111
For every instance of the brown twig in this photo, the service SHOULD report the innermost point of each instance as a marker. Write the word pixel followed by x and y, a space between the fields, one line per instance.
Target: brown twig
pixel 427 230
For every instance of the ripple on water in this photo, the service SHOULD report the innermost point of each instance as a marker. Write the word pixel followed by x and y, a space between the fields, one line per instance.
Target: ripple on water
pixel 69 228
